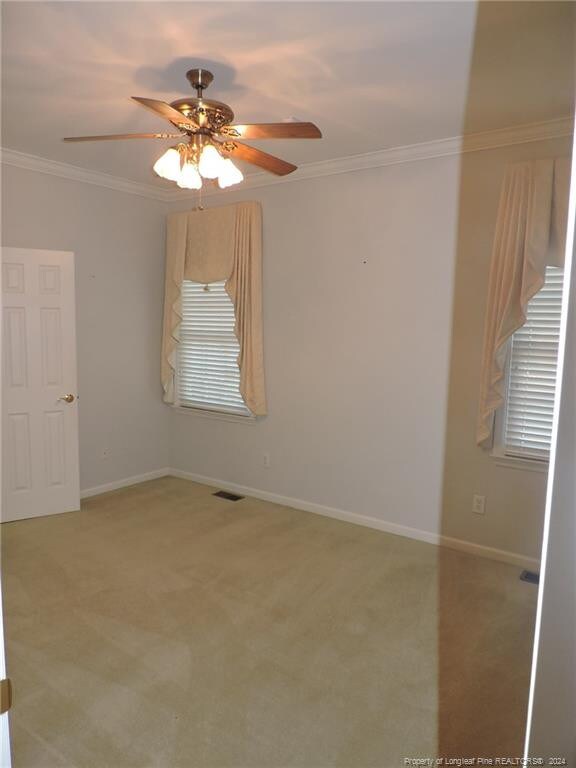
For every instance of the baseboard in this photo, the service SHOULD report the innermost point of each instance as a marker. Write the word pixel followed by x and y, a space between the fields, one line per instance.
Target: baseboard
pixel 125 482
pixel 461 545
pixel 502 555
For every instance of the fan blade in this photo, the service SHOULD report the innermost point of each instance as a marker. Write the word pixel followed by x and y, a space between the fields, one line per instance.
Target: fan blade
pixel 113 136
pixel 164 110
pixel 273 131
pixel 257 157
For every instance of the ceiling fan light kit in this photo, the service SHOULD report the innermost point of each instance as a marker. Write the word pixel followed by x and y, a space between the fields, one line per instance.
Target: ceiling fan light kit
pixel 189 178
pixel 209 140
pixel 210 163
pixel 230 175
pixel 188 164
pixel 168 165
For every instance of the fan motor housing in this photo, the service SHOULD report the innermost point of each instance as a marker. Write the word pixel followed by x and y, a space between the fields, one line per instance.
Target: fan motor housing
pixel 213 114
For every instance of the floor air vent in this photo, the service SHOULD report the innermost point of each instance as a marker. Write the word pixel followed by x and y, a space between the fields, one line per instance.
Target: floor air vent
pixel 226 495
pixel 530 577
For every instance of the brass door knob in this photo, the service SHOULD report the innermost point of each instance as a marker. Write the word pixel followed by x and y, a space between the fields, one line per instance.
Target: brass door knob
pixel 5 695
pixel 67 398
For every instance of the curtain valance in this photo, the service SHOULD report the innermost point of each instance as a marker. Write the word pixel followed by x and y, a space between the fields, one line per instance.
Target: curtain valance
pixel 207 246
pixel 530 235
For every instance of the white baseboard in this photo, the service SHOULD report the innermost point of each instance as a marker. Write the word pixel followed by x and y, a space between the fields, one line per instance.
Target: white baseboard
pixel 492 553
pixel 134 480
pixel 502 555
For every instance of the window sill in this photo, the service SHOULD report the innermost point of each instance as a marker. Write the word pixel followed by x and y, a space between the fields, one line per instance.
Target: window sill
pixel 205 413
pixel 515 462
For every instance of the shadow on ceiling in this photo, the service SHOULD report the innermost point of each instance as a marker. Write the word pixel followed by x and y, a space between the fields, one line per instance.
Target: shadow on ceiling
pixel 172 77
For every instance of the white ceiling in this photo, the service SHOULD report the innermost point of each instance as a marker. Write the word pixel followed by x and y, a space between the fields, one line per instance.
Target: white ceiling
pixel 372 75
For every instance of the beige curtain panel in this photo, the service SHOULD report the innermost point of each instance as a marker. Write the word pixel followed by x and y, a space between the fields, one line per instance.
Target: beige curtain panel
pixel 208 246
pixel 530 235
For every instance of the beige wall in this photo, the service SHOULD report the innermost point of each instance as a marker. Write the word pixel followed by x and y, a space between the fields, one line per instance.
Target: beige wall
pixel 357 306
pixel 514 497
pixel 118 241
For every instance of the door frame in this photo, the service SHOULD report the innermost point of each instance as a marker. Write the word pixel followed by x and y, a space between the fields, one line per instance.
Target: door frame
pixel 5 756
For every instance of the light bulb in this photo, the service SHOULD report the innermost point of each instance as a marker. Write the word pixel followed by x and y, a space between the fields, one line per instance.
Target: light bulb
pixel 229 175
pixel 210 162
pixel 168 166
pixel 189 177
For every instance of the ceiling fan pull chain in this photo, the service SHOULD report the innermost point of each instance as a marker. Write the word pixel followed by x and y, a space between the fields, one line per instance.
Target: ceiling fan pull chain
pixel 199 207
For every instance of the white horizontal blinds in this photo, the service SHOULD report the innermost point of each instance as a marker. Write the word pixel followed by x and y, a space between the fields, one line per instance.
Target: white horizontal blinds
pixel 208 374
pixel 532 373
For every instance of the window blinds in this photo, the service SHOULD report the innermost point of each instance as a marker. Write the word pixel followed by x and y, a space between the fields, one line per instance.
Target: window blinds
pixel 208 374
pixel 532 373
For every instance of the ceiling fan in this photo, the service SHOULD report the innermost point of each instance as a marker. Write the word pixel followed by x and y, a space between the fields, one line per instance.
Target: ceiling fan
pixel 209 140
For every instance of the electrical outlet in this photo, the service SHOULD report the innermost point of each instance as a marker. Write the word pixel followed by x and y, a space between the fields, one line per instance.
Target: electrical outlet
pixel 478 504
pixel 266 459
pixel 105 453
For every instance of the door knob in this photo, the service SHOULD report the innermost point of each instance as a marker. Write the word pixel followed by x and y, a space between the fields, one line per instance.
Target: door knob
pixel 5 695
pixel 67 398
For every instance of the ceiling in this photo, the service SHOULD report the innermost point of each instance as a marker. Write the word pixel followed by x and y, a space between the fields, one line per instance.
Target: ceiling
pixel 372 75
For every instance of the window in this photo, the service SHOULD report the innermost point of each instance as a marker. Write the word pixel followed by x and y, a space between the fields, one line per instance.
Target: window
pixel 208 374
pixel 531 377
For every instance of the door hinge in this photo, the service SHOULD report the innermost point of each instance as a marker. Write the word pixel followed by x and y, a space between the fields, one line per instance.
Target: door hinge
pixel 5 695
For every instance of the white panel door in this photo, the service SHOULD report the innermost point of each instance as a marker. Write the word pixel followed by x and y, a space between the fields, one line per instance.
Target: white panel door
pixel 39 409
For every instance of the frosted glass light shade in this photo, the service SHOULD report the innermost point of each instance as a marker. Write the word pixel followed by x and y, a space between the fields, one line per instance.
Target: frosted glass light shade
pixel 229 174
pixel 210 162
pixel 189 177
pixel 168 165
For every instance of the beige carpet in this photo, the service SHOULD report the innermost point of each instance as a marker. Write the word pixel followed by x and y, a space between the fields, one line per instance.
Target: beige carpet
pixel 161 626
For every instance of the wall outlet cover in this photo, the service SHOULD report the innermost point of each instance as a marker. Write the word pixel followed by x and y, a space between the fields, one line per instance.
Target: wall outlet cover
pixel 478 504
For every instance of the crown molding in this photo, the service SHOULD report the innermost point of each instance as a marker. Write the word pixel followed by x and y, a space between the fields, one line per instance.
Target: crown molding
pixel 75 173
pixel 410 153
pixel 473 142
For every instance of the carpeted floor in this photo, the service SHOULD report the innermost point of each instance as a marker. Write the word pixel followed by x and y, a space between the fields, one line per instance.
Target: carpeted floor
pixel 163 627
